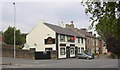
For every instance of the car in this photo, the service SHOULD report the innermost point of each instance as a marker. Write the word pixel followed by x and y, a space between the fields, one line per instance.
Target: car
pixel 90 54
pixel 84 55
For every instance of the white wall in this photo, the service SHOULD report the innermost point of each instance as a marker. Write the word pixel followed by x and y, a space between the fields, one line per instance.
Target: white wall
pixel 68 44
pixel 61 56
pixel 37 36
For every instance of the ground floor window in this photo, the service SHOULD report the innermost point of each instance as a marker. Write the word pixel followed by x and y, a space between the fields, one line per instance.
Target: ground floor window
pixel 78 50
pixel 62 51
pixel 71 50
pixel 82 50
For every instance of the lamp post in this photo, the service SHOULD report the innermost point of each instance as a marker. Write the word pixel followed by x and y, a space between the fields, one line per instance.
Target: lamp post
pixel 14 29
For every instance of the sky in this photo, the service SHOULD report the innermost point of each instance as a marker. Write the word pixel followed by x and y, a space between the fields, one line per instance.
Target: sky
pixel 29 14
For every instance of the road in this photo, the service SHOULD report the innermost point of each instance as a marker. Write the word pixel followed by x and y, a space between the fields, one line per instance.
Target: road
pixel 63 63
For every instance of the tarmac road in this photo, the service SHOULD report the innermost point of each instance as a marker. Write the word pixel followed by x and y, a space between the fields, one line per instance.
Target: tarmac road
pixel 63 63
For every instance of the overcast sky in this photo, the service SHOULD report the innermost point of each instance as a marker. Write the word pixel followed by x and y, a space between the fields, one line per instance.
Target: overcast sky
pixel 28 14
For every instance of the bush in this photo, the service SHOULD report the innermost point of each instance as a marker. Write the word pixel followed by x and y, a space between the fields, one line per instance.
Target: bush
pixel 113 56
pixel 105 53
pixel 19 47
pixel 95 54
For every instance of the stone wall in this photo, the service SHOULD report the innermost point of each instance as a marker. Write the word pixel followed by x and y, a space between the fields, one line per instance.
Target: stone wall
pixel 53 54
pixel 7 51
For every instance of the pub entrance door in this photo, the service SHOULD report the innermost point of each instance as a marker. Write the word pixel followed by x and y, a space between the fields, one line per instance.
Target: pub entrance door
pixel 67 52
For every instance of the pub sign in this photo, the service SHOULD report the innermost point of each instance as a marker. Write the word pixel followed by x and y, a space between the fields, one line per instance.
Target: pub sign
pixel 49 40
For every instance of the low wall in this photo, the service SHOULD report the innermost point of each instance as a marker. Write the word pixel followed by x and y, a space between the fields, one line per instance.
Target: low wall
pixel 7 51
pixel 53 54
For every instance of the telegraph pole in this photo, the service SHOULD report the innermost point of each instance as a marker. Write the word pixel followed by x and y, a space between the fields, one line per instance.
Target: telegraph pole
pixel 14 29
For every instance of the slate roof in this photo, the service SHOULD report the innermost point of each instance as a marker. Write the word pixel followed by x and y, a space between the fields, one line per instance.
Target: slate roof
pixel 86 33
pixel 61 30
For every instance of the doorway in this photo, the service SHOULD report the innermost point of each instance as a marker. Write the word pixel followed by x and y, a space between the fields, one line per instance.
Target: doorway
pixel 67 52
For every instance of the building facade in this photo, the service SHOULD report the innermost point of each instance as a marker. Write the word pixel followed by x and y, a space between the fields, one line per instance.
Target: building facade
pixel 47 37
pixel 90 41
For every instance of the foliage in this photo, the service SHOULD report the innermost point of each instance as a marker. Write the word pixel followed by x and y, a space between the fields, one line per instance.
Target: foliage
pixel 8 36
pixel 113 56
pixel 107 16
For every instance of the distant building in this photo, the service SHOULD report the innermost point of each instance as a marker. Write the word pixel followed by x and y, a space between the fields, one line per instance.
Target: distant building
pixel 101 48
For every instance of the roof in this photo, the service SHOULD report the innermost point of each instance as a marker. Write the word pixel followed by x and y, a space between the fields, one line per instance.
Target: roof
pixel 61 30
pixel 86 33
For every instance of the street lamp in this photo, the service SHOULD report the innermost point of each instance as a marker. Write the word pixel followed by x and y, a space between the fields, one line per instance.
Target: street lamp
pixel 14 29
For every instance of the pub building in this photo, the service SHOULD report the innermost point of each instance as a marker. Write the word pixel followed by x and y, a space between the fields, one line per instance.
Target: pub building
pixel 45 37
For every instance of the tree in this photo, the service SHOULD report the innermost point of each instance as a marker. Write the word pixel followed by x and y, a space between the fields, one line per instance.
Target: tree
pixel 9 36
pixel 105 14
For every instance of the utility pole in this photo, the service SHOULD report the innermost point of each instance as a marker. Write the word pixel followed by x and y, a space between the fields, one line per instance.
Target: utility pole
pixel 14 29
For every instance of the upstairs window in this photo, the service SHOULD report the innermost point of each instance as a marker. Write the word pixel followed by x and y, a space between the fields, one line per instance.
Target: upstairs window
pixel 62 38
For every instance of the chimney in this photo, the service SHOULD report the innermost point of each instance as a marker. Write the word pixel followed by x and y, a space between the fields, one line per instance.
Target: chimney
pixel 95 35
pixel 62 25
pixel 71 26
pixel 84 29
pixel 90 33
pixel 72 22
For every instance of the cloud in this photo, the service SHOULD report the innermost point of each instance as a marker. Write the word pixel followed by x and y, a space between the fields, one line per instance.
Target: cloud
pixel 28 14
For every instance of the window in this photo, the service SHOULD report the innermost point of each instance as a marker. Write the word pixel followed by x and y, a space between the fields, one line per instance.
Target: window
pixel 82 50
pixel 71 50
pixel 62 51
pixel 78 40
pixel 62 38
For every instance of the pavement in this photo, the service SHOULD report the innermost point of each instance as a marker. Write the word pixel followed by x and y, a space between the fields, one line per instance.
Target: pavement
pixel 101 62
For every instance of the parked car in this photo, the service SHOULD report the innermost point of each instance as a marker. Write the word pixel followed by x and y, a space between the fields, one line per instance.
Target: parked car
pixel 84 55
pixel 90 54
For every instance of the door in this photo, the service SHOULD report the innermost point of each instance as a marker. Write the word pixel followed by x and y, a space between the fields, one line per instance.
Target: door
pixel 67 52
pixel 76 51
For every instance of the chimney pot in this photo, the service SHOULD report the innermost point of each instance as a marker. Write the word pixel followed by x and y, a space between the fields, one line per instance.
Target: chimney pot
pixel 72 22
pixel 84 29
pixel 90 33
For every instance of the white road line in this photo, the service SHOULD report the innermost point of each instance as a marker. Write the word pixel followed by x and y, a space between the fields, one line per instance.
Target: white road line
pixel 108 66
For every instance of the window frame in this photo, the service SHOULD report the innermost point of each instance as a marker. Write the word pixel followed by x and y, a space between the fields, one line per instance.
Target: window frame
pixel 62 40
pixel 73 50
pixel 82 50
pixel 62 53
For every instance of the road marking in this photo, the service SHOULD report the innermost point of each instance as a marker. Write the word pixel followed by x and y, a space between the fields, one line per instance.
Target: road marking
pixel 108 66
pixel 28 65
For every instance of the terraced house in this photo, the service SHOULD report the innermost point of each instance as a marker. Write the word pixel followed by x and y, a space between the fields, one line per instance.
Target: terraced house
pixel 47 39
pixel 90 41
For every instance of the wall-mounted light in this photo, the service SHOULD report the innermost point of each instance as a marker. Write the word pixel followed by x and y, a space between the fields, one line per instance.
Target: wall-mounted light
pixel 35 44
